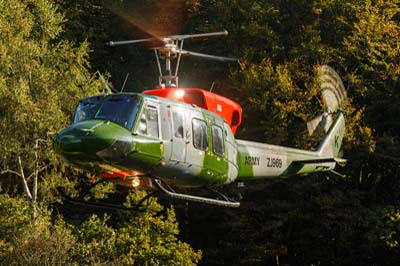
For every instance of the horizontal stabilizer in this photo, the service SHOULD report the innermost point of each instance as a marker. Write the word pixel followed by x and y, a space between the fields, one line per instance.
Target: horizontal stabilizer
pixel 316 164
pixel 336 174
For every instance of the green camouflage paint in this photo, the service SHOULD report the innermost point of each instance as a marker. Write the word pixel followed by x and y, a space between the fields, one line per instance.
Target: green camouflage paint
pixel 145 153
pixel 214 167
pixel 245 169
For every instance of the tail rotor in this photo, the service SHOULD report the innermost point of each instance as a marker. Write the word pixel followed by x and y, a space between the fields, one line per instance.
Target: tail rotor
pixel 333 95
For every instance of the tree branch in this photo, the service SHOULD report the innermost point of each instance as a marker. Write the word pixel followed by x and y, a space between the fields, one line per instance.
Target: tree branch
pixel 10 171
pixel 26 188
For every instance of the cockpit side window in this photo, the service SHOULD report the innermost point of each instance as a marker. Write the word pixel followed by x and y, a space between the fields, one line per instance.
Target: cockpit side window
pixel 120 109
pixel 148 122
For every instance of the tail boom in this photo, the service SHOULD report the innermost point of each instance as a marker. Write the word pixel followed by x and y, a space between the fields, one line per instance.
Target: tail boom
pixel 259 160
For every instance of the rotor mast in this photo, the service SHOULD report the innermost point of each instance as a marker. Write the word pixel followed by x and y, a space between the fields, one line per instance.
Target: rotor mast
pixel 170 50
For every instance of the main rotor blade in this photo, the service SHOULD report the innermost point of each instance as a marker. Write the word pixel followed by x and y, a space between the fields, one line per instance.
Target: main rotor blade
pixel 165 39
pixel 112 43
pixel 212 57
pixel 198 35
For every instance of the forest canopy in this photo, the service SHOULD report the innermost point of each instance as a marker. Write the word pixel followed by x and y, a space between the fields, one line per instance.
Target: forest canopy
pixel 51 54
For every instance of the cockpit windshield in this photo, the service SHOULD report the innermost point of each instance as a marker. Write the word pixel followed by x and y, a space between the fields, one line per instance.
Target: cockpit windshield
pixel 120 109
pixel 86 108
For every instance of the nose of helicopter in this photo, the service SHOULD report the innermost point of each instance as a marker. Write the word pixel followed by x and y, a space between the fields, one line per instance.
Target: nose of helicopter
pixel 84 141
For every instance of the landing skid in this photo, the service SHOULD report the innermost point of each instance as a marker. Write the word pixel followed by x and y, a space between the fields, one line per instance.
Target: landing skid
pixel 226 202
pixel 159 184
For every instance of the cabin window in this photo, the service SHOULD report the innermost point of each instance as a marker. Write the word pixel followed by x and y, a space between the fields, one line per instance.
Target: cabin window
pixel 218 140
pixel 177 120
pixel 148 124
pixel 200 136
pixel 120 109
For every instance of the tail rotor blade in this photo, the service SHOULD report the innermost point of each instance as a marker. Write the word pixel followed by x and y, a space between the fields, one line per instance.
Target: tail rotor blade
pixel 322 121
pixel 313 124
pixel 328 122
pixel 332 89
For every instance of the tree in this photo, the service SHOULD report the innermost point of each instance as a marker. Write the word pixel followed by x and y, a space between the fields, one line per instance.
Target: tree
pixel 118 239
pixel 42 76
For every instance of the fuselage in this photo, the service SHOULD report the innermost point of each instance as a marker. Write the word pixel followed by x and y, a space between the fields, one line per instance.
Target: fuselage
pixel 147 136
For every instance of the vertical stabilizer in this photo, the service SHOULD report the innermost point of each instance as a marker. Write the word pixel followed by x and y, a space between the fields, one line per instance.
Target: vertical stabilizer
pixel 332 141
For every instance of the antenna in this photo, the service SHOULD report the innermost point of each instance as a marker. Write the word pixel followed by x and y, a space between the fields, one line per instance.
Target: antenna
pixel 212 86
pixel 123 85
pixel 172 49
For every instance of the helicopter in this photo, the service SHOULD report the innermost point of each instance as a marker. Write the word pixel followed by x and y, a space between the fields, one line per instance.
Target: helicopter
pixel 171 138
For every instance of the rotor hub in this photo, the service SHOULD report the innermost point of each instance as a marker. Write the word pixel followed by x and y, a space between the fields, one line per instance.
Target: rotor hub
pixel 172 50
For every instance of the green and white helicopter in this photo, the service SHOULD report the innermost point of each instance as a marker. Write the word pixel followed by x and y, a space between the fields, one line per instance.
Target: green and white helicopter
pixel 173 138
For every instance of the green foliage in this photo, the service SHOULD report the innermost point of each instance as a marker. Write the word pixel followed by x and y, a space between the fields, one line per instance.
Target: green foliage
pixel 119 239
pixel 390 228
pixel 41 78
pixel 275 99
pixel 24 241
pixel 372 53
pixel 147 238
pixel 12 220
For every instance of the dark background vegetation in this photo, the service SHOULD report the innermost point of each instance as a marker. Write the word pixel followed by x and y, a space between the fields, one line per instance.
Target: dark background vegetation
pixel 50 51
